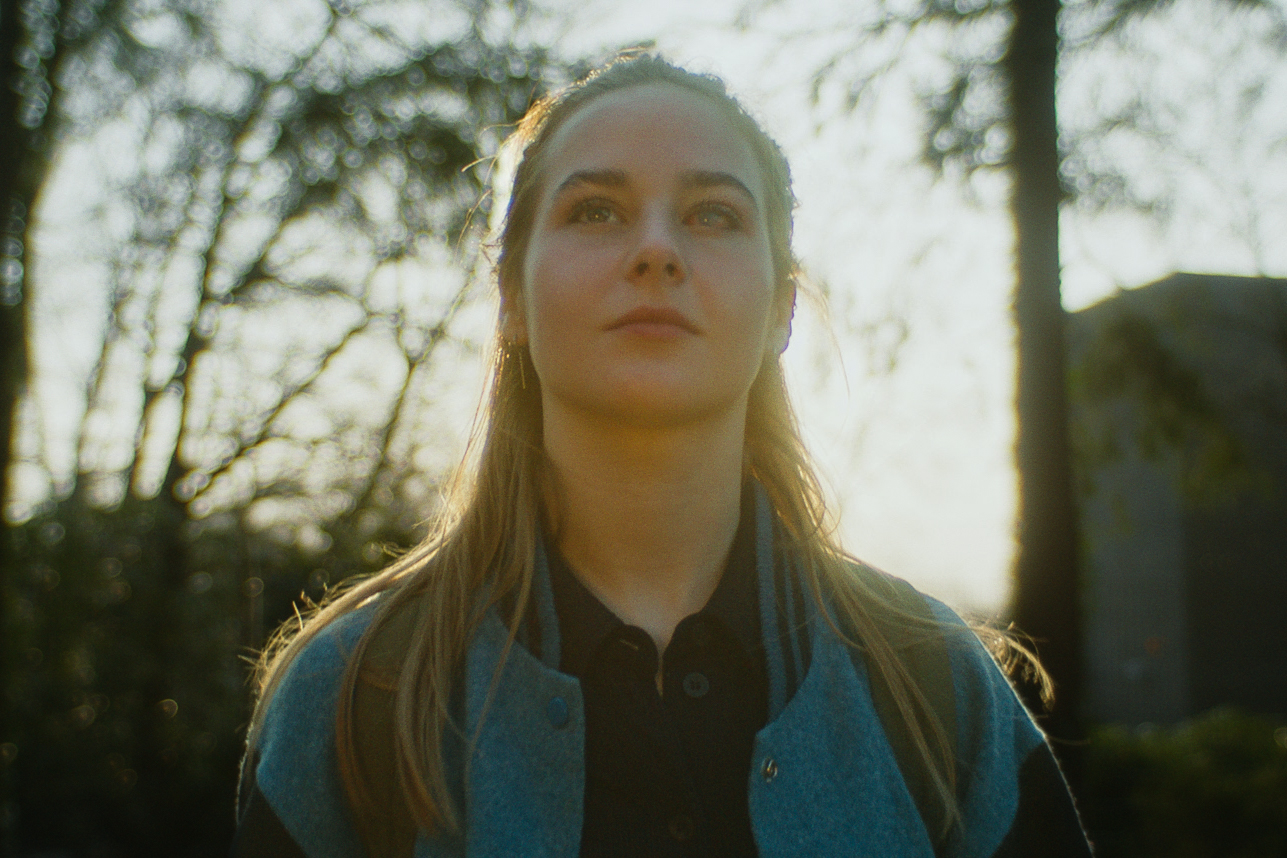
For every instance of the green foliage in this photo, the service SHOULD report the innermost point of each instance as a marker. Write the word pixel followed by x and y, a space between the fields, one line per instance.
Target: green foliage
pixel 1214 786
pixel 122 684
pixel 125 662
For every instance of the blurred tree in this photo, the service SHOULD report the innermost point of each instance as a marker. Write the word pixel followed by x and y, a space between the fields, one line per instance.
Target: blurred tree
pixel 1045 599
pixel 13 325
pixel 248 269
pixel 322 180
pixel 29 55
pixel 992 105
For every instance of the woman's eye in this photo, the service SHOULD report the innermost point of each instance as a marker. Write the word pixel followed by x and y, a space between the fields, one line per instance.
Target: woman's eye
pixel 593 213
pixel 716 216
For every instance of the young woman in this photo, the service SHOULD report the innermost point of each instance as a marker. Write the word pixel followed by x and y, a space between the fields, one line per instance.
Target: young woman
pixel 631 632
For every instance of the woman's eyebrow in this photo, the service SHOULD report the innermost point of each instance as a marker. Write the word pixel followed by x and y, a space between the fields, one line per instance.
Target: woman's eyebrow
pixel 715 179
pixel 613 178
pixel 602 178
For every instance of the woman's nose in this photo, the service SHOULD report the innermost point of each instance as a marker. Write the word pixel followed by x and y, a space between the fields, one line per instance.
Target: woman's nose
pixel 657 257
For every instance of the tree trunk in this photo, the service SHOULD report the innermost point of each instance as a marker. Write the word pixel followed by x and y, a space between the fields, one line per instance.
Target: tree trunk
pixel 13 329
pixel 13 358
pixel 1046 594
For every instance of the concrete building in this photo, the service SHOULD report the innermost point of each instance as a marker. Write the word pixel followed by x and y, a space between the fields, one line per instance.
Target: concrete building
pixel 1178 395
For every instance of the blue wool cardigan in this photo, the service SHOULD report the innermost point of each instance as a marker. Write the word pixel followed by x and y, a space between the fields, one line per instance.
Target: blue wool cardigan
pixel 824 780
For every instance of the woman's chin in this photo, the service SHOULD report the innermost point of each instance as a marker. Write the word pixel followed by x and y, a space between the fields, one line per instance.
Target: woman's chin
pixel 653 406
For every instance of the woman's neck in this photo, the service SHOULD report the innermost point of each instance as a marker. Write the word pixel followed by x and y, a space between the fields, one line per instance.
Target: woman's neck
pixel 646 517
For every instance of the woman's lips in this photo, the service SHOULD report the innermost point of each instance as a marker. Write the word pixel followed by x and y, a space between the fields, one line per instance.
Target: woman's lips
pixel 656 321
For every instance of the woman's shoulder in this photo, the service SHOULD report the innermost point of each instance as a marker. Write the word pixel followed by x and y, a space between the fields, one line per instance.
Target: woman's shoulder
pixel 946 656
pixel 315 671
pixel 908 617
pixel 1012 793
pixel 295 764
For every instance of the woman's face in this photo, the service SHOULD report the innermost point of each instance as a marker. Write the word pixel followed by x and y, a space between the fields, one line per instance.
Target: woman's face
pixel 647 290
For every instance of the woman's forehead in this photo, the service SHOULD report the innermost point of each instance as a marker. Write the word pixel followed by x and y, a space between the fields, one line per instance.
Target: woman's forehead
pixel 651 126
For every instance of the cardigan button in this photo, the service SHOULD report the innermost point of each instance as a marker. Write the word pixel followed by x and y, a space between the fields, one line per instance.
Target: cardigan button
pixel 557 711
pixel 769 769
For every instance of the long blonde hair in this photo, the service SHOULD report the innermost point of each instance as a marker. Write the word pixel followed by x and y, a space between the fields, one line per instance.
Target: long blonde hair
pixel 482 546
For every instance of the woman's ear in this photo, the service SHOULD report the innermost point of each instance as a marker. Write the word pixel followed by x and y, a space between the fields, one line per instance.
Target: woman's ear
pixel 780 333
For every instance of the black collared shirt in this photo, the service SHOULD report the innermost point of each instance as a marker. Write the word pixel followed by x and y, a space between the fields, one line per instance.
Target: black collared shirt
pixel 666 775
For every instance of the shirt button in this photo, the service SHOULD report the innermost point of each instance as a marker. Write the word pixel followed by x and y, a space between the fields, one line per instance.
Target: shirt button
pixel 696 685
pixel 557 711
pixel 769 769
pixel 682 827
